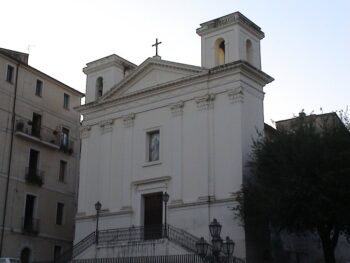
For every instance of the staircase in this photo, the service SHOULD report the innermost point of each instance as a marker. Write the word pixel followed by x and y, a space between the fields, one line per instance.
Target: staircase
pixel 133 235
pixel 114 236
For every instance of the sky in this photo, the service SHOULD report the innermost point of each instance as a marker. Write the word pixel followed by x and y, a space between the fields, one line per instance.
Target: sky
pixel 306 48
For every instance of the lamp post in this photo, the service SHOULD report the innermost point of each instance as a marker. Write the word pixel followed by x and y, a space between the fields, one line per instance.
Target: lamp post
pixel 98 207
pixel 217 245
pixel 165 200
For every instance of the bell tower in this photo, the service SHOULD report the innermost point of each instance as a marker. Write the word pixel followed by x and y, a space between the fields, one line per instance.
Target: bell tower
pixel 228 39
pixel 103 74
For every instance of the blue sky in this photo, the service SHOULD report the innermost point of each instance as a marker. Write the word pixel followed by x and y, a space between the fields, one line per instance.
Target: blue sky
pixel 306 45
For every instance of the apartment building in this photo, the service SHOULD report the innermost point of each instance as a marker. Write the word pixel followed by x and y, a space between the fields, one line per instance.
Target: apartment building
pixel 39 160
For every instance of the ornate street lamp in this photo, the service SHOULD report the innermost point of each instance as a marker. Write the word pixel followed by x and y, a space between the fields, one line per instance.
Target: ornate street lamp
pixel 217 245
pixel 165 200
pixel 98 207
pixel 227 247
pixel 215 228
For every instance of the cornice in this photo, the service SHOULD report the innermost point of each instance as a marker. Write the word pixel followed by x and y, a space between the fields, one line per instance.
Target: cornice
pixel 202 201
pixel 152 180
pixel 242 66
pixel 231 19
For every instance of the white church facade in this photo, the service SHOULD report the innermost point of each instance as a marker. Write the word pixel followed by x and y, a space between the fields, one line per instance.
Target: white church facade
pixel 169 127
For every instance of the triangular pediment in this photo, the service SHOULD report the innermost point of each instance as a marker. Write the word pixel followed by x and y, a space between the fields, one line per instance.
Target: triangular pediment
pixel 152 72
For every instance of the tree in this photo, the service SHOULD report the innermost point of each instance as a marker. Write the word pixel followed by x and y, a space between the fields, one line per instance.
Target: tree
pixel 300 180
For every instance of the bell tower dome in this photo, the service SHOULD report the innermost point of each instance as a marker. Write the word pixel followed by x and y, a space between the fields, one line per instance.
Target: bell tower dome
pixel 228 39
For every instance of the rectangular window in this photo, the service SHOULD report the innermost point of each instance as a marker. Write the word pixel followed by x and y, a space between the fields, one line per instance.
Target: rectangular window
pixel 57 252
pixel 66 101
pixel 63 170
pixel 39 88
pixel 153 146
pixel 59 214
pixel 36 124
pixel 65 137
pixel 10 73
pixel 29 223
pixel 33 163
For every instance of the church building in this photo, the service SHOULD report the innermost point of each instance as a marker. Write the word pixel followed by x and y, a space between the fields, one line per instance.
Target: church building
pixel 167 127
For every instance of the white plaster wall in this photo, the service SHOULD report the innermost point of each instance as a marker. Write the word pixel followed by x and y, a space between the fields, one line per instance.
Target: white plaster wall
pixel 155 77
pixel 202 157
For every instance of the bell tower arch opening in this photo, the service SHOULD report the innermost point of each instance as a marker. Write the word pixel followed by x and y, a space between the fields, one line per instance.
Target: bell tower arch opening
pixel 249 51
pixel 220 51
pixel 99 87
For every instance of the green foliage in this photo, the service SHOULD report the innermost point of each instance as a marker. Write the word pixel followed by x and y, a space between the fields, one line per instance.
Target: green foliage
pixel 300 180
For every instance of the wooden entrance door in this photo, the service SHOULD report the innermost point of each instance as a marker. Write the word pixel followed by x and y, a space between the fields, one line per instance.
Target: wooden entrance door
pixel 153 215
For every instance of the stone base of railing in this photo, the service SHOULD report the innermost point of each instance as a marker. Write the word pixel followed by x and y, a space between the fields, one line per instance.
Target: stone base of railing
pixel 141 248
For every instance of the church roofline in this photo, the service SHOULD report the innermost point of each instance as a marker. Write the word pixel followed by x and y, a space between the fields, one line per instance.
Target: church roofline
pixel 106 62
pixel 229 19
pixel 259 76
pixel 146 64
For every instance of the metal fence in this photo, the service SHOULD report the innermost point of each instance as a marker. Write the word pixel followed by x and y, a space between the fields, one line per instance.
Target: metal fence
pixel 157 259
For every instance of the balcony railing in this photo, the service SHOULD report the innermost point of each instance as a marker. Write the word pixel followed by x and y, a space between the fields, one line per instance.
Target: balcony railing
pixel 34 176
pixel 43 134
pixel 30 225
pixel 66 146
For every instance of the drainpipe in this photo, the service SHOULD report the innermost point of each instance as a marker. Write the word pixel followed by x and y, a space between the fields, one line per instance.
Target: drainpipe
pixel 10 160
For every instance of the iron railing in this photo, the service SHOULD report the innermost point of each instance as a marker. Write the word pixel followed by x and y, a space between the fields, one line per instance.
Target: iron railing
pixel 66 146
pixel 30 225
pixel 45 134
pixel 34 176
pixel 42 133
pixel 143 233
pixel 78 248
pixel 191 258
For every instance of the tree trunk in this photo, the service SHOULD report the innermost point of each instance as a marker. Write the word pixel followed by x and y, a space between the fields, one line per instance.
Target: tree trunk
pixel 329 243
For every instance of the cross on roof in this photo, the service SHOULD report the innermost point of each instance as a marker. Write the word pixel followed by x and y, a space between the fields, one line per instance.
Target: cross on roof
pixel 156 45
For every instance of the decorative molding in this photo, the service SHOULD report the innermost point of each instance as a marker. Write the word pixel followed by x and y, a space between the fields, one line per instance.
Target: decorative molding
pixel 127 210
pixel 205 102
pixel 229 200
pixel 106 126
pixel 206 198
pixel 177 108
pixel 85 131
pixel 177 202
pixel 129 120
pixel 236 95
pixel 152 180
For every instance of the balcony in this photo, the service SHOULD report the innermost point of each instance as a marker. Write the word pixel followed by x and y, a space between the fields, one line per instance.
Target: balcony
pixel 30 225
pixel 44 135
pixel 34 176
pixel 66 146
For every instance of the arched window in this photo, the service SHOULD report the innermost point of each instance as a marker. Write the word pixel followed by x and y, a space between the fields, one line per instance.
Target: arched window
pixel 249 51
pixel 25 255
pixel 99 87
pixel 220 51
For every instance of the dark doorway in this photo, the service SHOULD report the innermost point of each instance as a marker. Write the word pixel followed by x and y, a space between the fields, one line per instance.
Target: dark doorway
pixel 25 255
pixel 153 215
pixel 36 124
